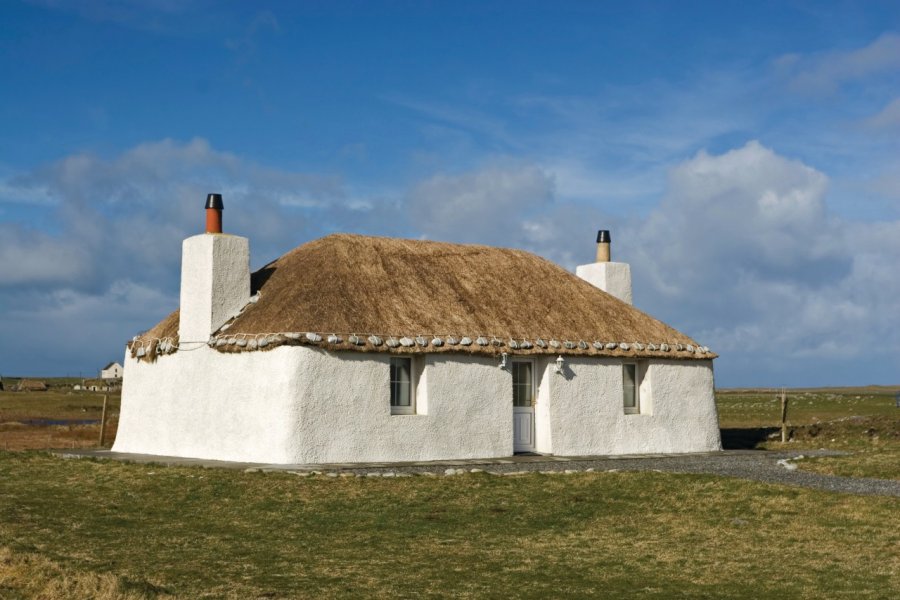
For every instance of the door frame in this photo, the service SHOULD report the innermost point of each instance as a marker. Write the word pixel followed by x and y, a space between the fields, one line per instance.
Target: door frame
pixel 534 397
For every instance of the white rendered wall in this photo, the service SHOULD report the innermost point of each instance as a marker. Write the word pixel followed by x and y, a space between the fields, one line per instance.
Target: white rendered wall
pixel 215 283
pixel 611 277
pixel 345 413
pixel 678 409
pixel 208 404
pixel 304 405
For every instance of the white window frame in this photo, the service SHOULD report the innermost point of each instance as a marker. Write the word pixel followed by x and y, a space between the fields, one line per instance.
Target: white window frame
pixel 636 409
pixel 413 384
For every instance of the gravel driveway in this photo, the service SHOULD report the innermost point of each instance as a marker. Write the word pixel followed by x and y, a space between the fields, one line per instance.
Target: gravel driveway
pixel 766 467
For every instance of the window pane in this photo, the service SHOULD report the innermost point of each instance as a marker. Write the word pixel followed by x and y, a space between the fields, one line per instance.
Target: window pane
pixel 629 380
pixel 401 379
pixel 522 384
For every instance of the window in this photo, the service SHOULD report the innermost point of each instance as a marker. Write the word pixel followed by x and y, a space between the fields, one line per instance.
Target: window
pixel 631 388
pixel 523 395
pixel 403 399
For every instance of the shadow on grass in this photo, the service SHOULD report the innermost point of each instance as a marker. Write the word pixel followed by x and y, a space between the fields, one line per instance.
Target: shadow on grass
pixel 745 439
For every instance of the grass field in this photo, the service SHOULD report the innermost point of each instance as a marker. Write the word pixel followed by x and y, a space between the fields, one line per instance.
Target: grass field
pixel 93 529
pixel 193 533
pixel 864 422
pixel 24 417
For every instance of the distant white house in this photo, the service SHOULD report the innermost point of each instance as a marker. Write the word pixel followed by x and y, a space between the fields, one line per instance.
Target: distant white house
pixel 358 349
pixel 111 371
pixel 98 385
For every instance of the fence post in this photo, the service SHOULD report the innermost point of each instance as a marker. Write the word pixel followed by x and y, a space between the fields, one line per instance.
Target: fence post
pixel 103 421
pixel 784 408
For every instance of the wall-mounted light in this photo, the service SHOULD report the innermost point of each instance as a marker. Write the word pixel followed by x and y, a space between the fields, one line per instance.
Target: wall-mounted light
pixel 503 360
pixel 560 363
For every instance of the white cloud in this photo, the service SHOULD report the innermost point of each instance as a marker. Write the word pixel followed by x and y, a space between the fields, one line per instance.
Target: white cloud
pixel 886 118
pixel 743 254
pixel 12 192
pixel 67 331
pixel 827 71
pixel 757 207
pixel 887 184
pixel 130 212
pixel 506 204
pixel 739 214
pixel 576 180
pixel 480 206
pixel 32 258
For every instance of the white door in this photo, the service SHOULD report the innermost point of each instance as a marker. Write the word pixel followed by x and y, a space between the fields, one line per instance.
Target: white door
pixel 523 405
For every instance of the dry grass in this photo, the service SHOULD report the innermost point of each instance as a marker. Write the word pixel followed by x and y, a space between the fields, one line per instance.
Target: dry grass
pixel 28 575
pixel 21 416
pixel 16 436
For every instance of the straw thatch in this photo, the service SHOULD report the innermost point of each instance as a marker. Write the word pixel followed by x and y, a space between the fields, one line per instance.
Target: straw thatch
pixel 391 295
pixel 30 385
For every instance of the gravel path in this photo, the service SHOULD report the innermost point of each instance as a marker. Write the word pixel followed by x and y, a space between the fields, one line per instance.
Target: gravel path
pixel 765 467
pixel 755 465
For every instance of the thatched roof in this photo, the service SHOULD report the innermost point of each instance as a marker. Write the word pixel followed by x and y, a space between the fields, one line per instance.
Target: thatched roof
pixel 31 385
pixel 375 294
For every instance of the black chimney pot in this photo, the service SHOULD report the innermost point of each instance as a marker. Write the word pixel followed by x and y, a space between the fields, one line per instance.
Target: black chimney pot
pixel 603 236
pixel 214 201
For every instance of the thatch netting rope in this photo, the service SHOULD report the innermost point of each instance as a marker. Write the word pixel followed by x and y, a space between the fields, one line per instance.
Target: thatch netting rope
pixel 148 349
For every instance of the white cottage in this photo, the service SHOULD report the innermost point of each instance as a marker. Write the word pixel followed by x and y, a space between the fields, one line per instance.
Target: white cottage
pixel 357 349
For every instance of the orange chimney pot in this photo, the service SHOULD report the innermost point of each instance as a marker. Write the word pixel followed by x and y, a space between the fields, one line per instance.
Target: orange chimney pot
pixel 214 208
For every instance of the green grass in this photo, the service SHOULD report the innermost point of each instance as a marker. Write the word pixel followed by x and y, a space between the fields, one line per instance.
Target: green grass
pixel 861 421
pixel 106 530
pixel 762 408
pixel 197 533
pixel 54 404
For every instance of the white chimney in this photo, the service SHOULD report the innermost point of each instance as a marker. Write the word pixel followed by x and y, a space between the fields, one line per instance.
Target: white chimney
pixel 611 277
pixel 215 277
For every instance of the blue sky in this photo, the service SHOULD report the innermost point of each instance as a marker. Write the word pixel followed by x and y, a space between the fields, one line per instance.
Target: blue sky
pixel 746 157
